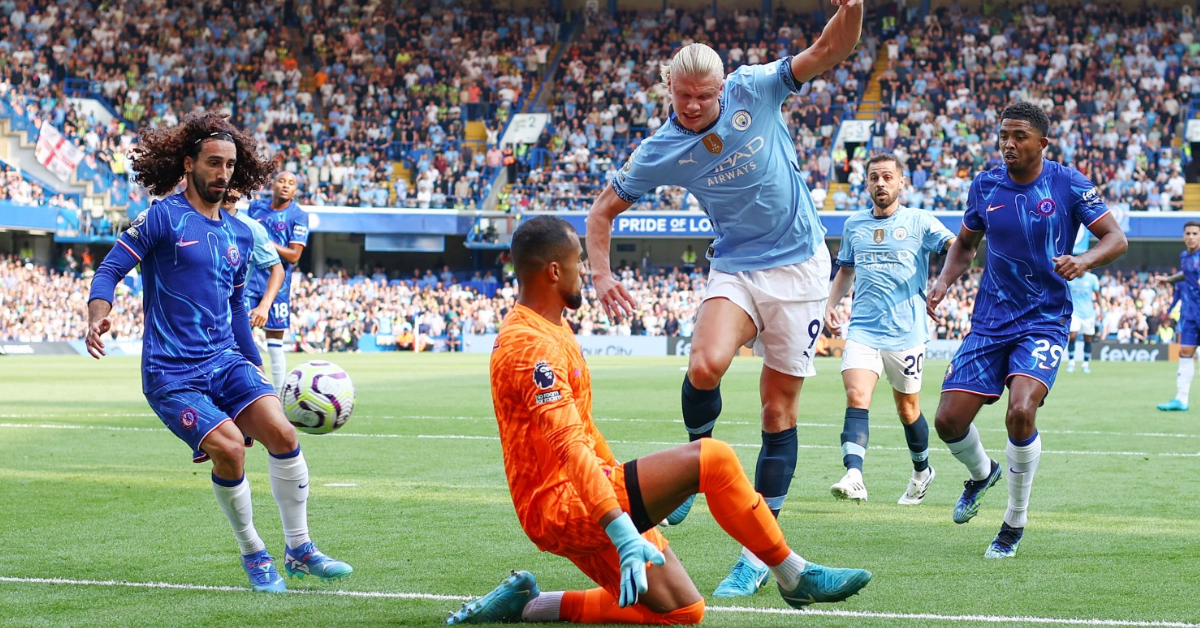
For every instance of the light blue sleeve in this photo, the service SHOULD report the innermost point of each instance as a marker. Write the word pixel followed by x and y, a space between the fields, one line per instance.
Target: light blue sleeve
pixel 264 254
pixel 936 234
pixel 773 82
pixel 642 172
pixel 845 256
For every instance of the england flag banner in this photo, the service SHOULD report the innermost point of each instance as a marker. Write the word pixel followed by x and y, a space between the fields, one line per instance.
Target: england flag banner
pixel 56 153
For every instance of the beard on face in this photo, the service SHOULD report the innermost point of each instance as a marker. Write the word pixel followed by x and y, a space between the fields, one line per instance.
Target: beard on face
pixel 574 300
pixel 205 192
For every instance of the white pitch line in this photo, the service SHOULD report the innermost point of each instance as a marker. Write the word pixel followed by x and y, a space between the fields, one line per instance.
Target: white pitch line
pixel 56 426
pixel 442 417
pixel 993 619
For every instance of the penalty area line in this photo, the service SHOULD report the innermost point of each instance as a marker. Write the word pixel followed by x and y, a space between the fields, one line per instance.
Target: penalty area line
pixel 926 617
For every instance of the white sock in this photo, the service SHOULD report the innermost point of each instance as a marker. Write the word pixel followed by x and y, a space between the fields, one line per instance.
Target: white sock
pixel 278 364
pixel 969 451
pixel 289 485
pixel 855 475
pixel 1022 464
pixel 787 573
pixel 1183 378
pixel 752 559
pixel 235 503
pixel 544 607
pixel 921 475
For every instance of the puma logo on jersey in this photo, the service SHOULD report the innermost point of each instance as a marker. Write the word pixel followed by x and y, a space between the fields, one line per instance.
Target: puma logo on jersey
pixel 689 160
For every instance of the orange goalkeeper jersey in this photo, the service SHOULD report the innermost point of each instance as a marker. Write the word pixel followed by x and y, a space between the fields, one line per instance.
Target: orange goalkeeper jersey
pixel 553 453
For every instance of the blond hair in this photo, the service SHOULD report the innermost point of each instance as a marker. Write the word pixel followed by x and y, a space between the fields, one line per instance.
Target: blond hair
pixel 693 60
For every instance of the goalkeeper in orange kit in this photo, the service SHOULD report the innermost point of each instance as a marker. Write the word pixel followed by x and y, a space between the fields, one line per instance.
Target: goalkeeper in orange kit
pixel 575 500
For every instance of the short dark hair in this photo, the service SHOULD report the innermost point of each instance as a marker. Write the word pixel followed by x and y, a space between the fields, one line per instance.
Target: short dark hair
pixel 539 241
pixel 1025 110
pixel 878 158
pixel 1191 223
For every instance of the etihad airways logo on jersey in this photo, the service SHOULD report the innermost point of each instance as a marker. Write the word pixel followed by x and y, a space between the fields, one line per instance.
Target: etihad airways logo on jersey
pixel 739 163
pixel 869 258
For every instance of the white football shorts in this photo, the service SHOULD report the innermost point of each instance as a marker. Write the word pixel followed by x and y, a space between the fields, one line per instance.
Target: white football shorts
pixel 787 305
pixel 903 368
pixel 1083 326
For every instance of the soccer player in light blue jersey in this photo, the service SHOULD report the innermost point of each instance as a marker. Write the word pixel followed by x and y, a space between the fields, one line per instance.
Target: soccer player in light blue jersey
pixel 1030 208
pixel 201 372
pixel 726 142
pixel 287 225
pixel 1083 318
pixel 263 257
pixel 885 257
pixel 1187 292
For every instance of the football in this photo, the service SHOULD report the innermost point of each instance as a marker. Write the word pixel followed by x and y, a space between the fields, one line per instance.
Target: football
pixel 318 397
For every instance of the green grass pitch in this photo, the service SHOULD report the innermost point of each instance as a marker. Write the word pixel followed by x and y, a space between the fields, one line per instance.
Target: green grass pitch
pixel 102 512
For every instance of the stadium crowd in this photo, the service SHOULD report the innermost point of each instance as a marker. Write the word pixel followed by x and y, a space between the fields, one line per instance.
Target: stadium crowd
pixel 433 310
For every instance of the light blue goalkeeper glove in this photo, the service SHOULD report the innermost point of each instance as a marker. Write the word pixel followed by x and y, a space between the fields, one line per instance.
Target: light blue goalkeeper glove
pixel 634 552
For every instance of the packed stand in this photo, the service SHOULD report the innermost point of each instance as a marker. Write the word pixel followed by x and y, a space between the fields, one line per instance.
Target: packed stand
pixel 609 97
pixel 1115 84
pixel 39 304
pixel 399 81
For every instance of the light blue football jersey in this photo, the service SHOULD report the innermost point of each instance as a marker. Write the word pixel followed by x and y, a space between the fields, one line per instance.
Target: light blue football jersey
pixel 890 258
pixel 264 254
pixel 1027 226
pixel 743 171
pixel 1083 294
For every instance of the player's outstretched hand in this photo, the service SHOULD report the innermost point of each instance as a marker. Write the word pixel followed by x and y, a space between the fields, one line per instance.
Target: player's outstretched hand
pixel 634 552
pixel 617 301
pixel 936 293
pixel 258 316
pixel 846 3
pixel 1069 267
pixel 833 323
pixel 95 345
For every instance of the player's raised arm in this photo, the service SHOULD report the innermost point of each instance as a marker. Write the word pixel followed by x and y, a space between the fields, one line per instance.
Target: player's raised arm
pixel 1112 245
pixel 836 42
pixel 616 300
pixel 958 260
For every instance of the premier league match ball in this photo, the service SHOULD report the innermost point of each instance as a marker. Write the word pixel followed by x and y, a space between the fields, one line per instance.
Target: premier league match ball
pixel 318 397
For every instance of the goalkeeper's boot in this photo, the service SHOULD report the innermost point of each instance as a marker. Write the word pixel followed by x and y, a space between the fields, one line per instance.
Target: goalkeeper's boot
pixel 825 584
pixel 973 491
pixel 503 604
pixel 1005 545
pixel 679 514
pixel 743 580
pixel 1173 405
pixel 307 560
pixel 263 575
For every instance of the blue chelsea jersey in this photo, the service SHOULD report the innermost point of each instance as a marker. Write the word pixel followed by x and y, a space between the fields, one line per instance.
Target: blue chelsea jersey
pixel 284 227
pixel 192 267
pixel 743 170
pixel 890 257
pixel 1189 286
pixel 1027 226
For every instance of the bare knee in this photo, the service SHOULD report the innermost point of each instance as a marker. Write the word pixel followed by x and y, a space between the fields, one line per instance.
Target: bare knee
pixel 705 371
pixel 1020 419
pixel 949 428
pixel 228 456
pixel 859 398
